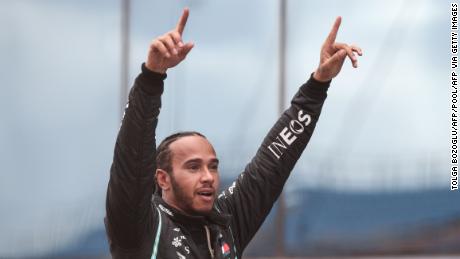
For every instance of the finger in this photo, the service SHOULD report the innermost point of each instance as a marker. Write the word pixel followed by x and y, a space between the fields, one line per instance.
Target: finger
pixel 338 57
pixel 186 49
pixel 177 38
pixel 169 43
pixel 335 28
pixel 349 52
pixel 182 21
pixel 356 49
pixel 158 45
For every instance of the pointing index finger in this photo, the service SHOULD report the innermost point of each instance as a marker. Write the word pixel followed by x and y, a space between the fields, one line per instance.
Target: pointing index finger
pixel 182 21
pixel 335 28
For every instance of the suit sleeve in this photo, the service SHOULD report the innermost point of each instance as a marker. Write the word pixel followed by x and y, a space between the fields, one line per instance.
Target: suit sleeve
pixel 129 219
pixel 250 198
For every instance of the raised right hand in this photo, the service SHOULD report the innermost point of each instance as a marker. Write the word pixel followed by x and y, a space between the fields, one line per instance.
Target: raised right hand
pixel 168 50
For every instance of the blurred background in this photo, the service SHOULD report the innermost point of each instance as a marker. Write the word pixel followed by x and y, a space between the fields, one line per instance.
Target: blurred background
pixel 374 179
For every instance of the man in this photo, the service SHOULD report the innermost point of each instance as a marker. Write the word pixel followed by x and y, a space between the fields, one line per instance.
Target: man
pixel 185 218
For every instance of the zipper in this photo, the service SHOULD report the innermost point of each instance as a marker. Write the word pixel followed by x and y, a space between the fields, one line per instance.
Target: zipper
pixel 208 237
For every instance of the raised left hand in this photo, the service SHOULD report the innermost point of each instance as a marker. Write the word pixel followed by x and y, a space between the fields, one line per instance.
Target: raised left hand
pixel 333 55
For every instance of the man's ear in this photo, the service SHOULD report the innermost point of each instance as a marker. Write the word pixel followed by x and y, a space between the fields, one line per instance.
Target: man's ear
pixel 163 179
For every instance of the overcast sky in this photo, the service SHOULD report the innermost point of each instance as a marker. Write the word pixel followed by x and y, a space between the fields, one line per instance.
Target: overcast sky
pixel 384 125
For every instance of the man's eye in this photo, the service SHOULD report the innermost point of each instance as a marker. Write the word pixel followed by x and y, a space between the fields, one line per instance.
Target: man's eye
pixel 213 167
pixel 194 167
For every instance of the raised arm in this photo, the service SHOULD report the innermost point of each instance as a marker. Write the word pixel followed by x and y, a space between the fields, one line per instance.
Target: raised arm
pixel 129 219
pixel 251 196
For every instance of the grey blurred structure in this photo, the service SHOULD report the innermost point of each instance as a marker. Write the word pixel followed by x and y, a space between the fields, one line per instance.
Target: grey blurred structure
pixel 372 182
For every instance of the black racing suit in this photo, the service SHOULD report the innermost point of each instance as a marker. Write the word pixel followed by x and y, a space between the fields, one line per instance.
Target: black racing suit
pixel 142 225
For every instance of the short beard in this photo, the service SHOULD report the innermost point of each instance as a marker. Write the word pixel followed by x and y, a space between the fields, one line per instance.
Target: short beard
pixel 184 201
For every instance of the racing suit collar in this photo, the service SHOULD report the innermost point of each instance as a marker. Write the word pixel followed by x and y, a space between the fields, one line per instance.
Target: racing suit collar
pixel 214 217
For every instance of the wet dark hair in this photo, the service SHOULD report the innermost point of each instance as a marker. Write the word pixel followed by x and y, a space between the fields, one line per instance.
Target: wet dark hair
pixel 164 156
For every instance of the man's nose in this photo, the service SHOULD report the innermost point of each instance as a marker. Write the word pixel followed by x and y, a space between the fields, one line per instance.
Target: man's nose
pixel 207 176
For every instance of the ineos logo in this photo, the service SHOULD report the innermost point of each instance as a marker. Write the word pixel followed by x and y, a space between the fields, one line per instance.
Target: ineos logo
pixel 288 135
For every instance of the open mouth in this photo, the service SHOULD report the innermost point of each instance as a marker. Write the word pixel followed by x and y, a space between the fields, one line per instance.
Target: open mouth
pixel 207 194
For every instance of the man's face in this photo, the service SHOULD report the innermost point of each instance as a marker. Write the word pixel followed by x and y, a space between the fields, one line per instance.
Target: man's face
pixel 194 176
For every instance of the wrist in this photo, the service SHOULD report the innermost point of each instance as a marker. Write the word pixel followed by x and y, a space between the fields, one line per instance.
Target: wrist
pixel 147 73
pixel 319 77
pixel 155 69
